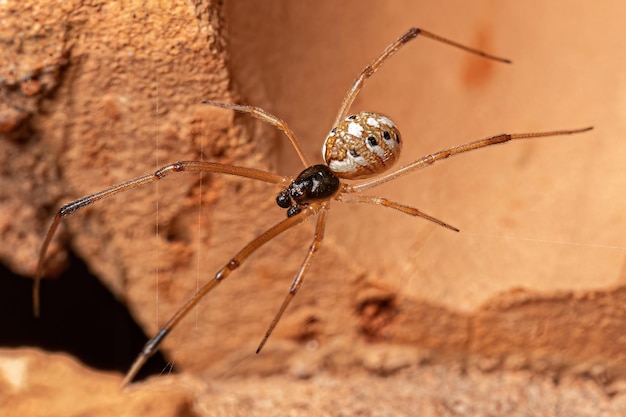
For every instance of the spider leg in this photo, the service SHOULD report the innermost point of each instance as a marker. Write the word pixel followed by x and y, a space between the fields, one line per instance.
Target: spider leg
pixel 153 344
pixel 261 114
pixel 299 278
pixel 380 201
pixel 183 166
pixel 369 70
pixel 454 150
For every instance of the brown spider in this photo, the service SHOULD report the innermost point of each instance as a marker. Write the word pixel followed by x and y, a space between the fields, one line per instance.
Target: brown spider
pixel 359 146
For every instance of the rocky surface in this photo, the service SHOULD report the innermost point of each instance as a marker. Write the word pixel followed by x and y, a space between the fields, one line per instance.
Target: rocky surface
pixel 522 313
pixel 42 384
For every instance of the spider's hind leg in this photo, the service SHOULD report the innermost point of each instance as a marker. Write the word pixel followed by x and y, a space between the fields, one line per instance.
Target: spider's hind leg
pixel 391 49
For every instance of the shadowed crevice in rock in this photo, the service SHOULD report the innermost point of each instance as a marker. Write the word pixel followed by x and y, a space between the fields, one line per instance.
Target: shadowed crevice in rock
pixel 79 316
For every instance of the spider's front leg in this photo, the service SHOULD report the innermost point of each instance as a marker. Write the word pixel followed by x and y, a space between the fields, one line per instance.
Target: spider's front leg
pixel 153 344
pixel 183 166
pixel 299 278
pixel 269 118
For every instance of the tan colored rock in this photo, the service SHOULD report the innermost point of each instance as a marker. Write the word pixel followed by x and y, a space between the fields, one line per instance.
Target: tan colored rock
pixel 39 384
pixel 42 384
pixel 95 94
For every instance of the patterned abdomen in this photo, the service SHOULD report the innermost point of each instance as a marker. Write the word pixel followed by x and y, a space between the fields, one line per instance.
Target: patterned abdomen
pixel 362 146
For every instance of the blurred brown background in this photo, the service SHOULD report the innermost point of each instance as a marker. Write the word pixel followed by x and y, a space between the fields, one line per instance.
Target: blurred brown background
pixel 530 290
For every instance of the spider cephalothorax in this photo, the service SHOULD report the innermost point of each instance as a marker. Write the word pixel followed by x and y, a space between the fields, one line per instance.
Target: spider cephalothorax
pixel 315 183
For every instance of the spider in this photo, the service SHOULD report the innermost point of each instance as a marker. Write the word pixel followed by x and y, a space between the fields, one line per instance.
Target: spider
pixel 359 146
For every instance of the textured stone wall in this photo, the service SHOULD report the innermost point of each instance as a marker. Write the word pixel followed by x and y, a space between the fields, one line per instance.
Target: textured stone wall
pixel 96 93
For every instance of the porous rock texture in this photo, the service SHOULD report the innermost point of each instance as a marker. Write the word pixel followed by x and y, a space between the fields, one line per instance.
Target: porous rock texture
pixel 527 298
pixel 429 391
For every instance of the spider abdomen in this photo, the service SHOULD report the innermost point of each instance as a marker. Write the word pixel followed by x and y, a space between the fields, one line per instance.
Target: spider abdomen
pixel 362 145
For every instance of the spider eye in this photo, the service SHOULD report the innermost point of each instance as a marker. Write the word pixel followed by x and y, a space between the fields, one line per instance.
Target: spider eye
pixel 283 200
pixel 293 210
pixel 372 141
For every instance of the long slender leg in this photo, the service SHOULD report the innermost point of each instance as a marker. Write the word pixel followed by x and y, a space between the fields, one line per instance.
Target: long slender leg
pixel 380 201
pixel 369 70
pixel 261 114
pixel 153 344
pixel 454 150
pixel 299 278
pixel 183 166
